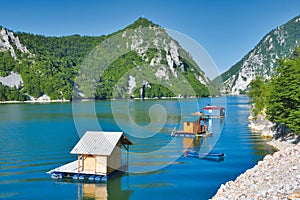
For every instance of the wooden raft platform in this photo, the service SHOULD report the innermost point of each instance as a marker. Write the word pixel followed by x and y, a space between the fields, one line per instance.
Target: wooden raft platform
pixel 70 170
pixel 190 135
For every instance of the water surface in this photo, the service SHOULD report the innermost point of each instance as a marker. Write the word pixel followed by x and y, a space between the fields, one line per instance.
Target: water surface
pixel 35 138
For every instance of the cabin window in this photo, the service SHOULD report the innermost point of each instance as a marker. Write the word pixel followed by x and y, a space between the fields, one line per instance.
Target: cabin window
pixel 188 123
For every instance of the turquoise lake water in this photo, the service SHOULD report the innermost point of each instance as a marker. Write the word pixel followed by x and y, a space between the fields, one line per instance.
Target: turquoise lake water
pixel 35 138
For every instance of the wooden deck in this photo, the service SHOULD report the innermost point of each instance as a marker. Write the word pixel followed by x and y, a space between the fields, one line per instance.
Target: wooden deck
pixel 191 135
pixel 72 168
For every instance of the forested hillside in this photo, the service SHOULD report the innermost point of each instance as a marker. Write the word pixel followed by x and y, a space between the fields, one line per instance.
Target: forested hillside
pixel 280 95
pixel 50 65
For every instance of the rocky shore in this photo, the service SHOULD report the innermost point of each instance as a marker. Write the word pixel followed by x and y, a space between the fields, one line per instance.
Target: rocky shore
pixel 277 176
pixel 261 124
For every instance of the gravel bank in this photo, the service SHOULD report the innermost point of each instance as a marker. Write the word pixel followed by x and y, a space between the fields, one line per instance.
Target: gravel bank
pixel 276 177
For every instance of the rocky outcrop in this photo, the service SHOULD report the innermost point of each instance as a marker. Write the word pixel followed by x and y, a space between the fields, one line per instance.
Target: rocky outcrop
pixel 9 42
pixel 44 98
pixel 263 59
pixel 281 135
pixel 276 177
pixel 12 80
pixel 140 40
pixel 260 123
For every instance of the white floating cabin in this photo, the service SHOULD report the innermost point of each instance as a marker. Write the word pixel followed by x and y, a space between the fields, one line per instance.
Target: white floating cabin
pixel 99 157
pixel 213 111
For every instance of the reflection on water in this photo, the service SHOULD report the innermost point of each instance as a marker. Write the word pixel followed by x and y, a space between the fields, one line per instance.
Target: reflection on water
pixel 113 189
pixel 92 191
pixel 188 143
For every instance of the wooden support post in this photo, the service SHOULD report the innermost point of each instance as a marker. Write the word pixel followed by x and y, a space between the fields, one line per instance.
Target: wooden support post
pixel 95 165
pixel 78 163
pixel 127 155
pixel 83 162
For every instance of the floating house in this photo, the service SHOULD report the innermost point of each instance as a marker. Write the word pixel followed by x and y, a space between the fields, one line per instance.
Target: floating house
pixel 192 127
pixel 98 157
pixel 213 111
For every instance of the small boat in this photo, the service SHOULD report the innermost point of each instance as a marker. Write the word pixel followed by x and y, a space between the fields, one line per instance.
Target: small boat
pixel 212 155
pixel 203 155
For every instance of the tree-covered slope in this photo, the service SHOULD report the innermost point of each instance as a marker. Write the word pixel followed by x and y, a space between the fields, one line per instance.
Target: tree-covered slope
pixel 141 54
pixel 48 65
pixel 281 94
pixel 55 65
pixel 263 59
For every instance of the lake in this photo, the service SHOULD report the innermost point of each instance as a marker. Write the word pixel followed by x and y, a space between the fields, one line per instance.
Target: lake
pixel 35 138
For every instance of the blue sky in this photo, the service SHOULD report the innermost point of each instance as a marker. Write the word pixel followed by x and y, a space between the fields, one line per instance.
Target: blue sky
pixel 227 29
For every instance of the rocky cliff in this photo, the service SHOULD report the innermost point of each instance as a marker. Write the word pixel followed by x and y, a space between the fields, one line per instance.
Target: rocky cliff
pixel 263 59
pixel 10 42
pixel 261 124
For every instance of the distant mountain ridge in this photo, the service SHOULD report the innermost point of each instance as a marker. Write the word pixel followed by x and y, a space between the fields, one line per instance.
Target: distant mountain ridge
pixel 152 57
pixel 263 59
pixel 49 66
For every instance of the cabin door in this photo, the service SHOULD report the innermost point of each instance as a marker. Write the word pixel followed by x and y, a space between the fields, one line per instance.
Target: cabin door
pixel 89 163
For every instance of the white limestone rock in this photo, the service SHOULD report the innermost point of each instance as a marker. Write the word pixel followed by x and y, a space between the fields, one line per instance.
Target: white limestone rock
pixel 7 42
pixel 44 98
pixel 262 60
pixel 131 84
pixel 12 80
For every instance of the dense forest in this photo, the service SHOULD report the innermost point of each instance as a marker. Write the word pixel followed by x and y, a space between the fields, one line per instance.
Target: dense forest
pixel 52 67
pixel 280 95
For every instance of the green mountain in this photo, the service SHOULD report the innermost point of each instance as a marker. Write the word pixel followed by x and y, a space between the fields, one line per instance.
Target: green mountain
pixel 263 59
pixel 118 65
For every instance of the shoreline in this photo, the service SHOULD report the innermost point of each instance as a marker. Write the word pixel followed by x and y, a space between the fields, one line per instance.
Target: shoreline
pixel 35 101
pixel 86 100
pixel 277 176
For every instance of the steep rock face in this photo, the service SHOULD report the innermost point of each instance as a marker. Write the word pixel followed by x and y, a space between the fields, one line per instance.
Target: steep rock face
pixel 9 42
pixel 172 54
pixel 142 52
pixel 263 59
